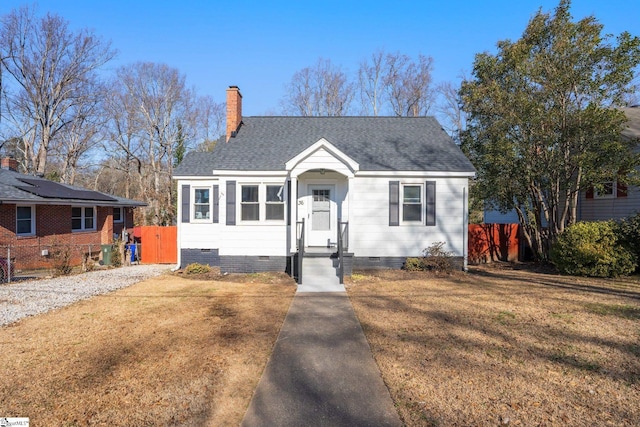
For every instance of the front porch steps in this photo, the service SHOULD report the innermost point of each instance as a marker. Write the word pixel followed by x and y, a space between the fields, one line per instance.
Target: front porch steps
pixel 319 273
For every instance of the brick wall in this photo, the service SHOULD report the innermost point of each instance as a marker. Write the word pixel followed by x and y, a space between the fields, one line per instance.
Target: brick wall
pixel 53 232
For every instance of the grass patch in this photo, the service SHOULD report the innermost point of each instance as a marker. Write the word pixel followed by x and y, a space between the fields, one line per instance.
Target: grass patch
pixel 625 311
pixel 566 363
pixel 167 351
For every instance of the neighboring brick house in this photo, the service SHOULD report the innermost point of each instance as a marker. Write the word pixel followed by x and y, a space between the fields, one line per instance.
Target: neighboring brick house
pixel 38 217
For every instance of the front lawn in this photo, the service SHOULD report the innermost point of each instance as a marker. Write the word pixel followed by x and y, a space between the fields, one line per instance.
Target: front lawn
pixel 167 351
pixel 502 346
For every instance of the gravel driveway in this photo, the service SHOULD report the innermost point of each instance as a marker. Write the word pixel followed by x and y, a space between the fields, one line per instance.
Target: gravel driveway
pixel 22 299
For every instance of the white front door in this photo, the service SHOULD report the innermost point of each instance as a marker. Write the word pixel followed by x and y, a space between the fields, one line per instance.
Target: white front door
pixel 322 221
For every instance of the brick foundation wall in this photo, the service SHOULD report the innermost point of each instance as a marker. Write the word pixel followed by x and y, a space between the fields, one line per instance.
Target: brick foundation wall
pixel 201 256
pixel 253 264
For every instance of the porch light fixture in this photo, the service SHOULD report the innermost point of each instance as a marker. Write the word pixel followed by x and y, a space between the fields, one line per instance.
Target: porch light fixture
pixel 322 171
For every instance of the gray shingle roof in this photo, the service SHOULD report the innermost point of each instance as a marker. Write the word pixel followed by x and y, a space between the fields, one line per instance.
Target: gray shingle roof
pixel 632 129
pixel 376 143
pixel 13 189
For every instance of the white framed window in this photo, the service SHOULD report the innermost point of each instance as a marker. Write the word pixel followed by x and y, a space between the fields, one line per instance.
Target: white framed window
pixel 274 202
pixel 412 203
pixel 118 214
pixel 25 220
pixel 83 218
pixel 608 191
pixel 202 204
pixel 250 203
pixel 262 202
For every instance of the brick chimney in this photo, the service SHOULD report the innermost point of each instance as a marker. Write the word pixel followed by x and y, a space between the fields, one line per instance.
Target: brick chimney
pixel 9 163
pixel 234 111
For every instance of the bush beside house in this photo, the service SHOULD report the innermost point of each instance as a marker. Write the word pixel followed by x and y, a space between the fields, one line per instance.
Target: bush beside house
pixel 593 249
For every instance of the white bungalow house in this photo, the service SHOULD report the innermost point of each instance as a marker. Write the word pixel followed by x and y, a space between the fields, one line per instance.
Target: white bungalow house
pixel 375 189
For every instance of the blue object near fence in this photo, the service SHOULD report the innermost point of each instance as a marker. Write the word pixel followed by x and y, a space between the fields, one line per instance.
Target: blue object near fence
pixel 132 251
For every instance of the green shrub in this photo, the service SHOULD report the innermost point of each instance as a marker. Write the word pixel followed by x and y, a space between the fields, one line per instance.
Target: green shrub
pixel 629 235
pixel 435 259
pixel 196 268
pixel 592 249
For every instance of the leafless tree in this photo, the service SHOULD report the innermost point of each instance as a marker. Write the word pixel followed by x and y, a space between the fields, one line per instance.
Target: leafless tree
pixel 211 118
pixel 51 70
pixel 321 90
pixel 150 112
pixel 371 83
pixel 450 109
pixel 408 84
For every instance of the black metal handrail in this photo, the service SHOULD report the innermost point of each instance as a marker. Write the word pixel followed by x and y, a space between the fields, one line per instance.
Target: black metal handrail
pixel 300 248
pixel 343 243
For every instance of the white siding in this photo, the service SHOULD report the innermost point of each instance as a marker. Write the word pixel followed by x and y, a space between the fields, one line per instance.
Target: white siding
pixel 497 217
pixel 597 209
pixel 322 159
pixel 371 235
pixel 201 234
pixel 251 238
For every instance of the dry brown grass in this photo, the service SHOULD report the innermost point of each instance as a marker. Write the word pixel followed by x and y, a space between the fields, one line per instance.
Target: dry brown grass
pixel 167 351
pixel 504 347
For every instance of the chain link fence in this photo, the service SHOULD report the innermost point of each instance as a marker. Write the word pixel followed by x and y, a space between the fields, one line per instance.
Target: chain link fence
pixel 28 261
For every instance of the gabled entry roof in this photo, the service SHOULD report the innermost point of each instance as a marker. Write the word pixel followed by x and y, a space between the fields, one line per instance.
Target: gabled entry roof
pixel 314 157
pixel 374 143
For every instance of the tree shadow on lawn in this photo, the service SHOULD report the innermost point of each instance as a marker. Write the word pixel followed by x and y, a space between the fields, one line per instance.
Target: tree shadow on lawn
pixel 624 287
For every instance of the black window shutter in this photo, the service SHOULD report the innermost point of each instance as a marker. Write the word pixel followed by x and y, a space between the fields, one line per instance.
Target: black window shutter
pixel 186 203
pixel 430 203
pixel 394 203
pixel 231 203
pixel 216 205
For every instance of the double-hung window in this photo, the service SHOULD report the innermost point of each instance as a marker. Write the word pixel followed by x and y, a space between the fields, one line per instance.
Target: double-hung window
pixel 262 202
pixel 607 191
pixel 250 203
pixel 275 202
pixel 25 220
pixel 118 215
pixel 83 218
pixel 201 203
pixel 412 203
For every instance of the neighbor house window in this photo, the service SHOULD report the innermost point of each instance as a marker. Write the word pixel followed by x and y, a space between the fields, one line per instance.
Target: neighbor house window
pixel 83 218
pixel 412 203
pixel 275 202
pixel 607 191
pixel 25 220
pixel 201 204
pixel 250 203
pixel 118 215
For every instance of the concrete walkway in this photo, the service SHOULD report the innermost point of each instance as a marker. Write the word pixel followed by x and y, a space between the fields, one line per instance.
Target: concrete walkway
pixel 321 371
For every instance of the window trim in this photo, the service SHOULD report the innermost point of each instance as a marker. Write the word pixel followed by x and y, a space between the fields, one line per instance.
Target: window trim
pixel 194 204
pixel 83 218
pixel 261 203
pixel 402 203
pixel 121 210
pixel 32 232
pixel 612 195
pixel 280 203
pixel 256 203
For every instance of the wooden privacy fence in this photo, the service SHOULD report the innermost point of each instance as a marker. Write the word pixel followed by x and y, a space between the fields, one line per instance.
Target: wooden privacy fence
pixel 158 245
pixel 494 242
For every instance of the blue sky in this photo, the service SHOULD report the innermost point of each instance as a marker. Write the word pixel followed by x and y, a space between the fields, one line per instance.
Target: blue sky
pixel 259 45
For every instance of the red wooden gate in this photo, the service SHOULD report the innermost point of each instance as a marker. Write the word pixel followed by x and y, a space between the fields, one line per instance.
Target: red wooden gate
pixel 159 245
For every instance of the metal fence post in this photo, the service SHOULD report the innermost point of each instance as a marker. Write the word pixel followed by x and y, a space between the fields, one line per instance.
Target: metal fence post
pixel 9 264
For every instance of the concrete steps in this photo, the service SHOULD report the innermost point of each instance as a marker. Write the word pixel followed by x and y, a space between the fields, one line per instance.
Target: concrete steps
pixel 319 274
